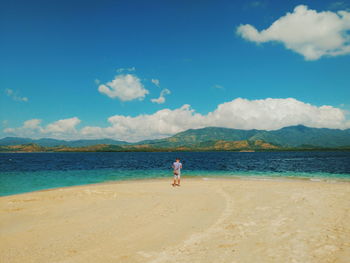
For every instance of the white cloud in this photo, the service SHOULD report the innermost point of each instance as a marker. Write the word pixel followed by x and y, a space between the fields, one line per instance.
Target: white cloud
pixel 120 70
pixel 307 32
pixel 264 114
pixel 32 124
pixel 163 93
pixel 65 128
pixel 161 98
pixel 124 87
pixel 12 131
pixel 62 126
pixel 30 128
pixel 14 95
pixel 155 82
pixel 158 125
pixel 271 114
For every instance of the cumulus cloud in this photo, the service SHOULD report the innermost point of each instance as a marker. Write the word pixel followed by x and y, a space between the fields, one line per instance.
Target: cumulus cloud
pixel 307 32
pixel 30 128
pixel 32 124
pixel 272 114
pixel 155 82
pixel 163 93
pixel 147 126
pixel 64 128
pixel 264 114
pixel 11 130
pixel 125 87
pixel 161 98
pixel 14 95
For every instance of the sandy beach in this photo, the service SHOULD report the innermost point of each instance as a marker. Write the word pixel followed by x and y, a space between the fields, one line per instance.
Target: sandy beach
pixel 204 220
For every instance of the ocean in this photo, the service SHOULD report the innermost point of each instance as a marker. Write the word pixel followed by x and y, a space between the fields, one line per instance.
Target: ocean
pixel 27 172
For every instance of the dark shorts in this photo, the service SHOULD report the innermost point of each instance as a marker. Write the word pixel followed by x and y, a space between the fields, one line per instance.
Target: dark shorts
pixel 177 174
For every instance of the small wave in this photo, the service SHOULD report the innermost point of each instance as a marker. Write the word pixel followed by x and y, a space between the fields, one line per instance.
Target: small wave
pixel 316 180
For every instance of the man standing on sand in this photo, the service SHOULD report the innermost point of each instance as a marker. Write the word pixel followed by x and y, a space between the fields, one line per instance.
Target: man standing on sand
pixel 177 166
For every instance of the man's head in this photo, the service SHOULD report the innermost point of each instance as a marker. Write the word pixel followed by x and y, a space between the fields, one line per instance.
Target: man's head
pixel 177 159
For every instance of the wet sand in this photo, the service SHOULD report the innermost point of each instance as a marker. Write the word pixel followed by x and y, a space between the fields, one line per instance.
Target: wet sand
pixel 215 220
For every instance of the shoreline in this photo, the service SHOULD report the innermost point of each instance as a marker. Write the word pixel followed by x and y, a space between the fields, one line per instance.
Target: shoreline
pixel 206 177
pixel 162 150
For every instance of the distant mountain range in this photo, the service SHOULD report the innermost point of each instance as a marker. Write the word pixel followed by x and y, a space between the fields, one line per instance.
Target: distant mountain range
pixel 48 142
pixel 292 136
pixel 206 139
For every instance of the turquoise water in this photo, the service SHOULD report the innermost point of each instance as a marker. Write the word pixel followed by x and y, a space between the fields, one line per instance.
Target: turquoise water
pixel 30 172
pixel 21 182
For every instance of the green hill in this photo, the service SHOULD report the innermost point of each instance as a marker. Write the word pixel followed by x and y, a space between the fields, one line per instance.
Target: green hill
pixel 293 136
pixel 205 139
pixel 49 142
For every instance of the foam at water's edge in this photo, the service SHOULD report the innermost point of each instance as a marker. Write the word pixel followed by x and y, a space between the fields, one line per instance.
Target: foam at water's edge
pixel 330 178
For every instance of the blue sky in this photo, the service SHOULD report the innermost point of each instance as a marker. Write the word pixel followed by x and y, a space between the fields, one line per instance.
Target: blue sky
pixel 55 55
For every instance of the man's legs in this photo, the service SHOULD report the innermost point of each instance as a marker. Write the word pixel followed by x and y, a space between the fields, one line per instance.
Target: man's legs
pixel 178 179
pixel 175 177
